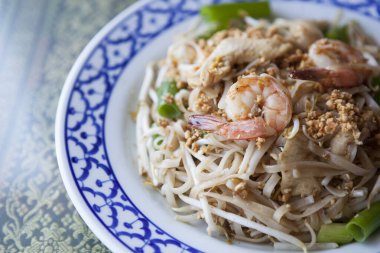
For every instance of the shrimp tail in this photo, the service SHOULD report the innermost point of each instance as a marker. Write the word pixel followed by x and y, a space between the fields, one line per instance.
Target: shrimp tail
pixel 314 74
pixel 240 130
pixel 338 77
pixel 206 122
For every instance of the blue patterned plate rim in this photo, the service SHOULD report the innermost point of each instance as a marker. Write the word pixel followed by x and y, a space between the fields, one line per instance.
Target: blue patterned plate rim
pixel 154 237
pixel 95 223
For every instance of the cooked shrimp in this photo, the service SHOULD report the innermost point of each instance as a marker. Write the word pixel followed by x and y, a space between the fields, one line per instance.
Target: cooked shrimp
pixel 340 77
pixel 236 51
pixel 259 106
pixel 328 53
pixel 187 56
pixel 337 64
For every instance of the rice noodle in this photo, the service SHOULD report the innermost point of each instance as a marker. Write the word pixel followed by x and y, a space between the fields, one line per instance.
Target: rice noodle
pixel 339 161
pixel 313 236
pixel 338 193
pixel 183 209
pixel 272 168
pixel 280 212
pixel 187 67
pixel 352 151
pixel 146 84
pixel 161 75
pixel 357 89
pixel 211 227
pixel 370 59
pixel 258 154
pixel 368 165
pixel 248 223
pixel 253 211
pixel 262 239
pixel 323 217
pixel 295 128
pixel 180 97
pixel 375 190
pixel 280 186
pixel 302 203
pixel 247 156
pixel 187 217
pixel 271 184
pixel 334 210
pixel 359 193
pixel 250 65
pixel 311 209
pixel 251 21
pixel 361 205
pixel 371 103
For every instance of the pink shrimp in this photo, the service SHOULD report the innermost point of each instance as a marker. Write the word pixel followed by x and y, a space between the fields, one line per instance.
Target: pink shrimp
pixel 337 64
pixel 340 77
pixel 259 106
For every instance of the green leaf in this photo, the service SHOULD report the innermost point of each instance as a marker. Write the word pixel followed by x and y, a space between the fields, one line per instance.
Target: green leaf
pixel 165 109
pixel 365 223
pixel 338 33
pixel 222 15
pixel 334 232
pixel 376 82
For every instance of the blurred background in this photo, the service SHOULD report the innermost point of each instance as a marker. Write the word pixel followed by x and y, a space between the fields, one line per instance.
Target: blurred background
pixel 39 42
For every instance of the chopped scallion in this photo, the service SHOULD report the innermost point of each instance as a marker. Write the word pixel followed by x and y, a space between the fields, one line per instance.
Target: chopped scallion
pixel 365 223
pixel 338 33
pixel 334 232
pixel 222 15
pixel 166 108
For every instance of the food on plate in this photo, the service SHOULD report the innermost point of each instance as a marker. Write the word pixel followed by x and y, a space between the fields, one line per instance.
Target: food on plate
pixel 268 130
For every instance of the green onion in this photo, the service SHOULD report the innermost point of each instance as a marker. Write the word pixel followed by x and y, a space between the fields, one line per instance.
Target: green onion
pixel 376 82
pixel 338 33
pixel 358 228
pixel 155 136
pixel 222 15
pixel 334 232
pixel 164 108
pixel 365 223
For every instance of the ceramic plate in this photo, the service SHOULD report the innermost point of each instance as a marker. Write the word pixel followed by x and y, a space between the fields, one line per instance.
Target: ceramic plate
pixel 95 135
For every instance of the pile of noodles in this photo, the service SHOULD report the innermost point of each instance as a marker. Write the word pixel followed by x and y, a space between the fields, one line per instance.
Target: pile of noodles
pixel 206 183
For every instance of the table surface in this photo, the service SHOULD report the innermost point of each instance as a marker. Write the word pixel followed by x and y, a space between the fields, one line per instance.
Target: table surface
pixel 39 42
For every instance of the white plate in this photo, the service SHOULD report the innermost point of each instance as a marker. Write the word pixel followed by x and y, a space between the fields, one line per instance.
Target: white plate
pixel 95 136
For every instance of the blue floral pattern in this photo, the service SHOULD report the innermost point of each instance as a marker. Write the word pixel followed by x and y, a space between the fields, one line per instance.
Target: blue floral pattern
pixel 87 108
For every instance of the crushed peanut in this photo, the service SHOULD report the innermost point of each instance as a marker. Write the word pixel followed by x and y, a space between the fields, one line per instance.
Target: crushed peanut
pixel 168 98
pixel 259 142
pixel 220 113
pixel 206 149
pixel 344 115
pixel 294 60
pixel 204 104
pixel 195 147
pixel 229 33
pixel 163 123
pixel 191 137
pixel 348 185
pixel 284 197
pixel 181 85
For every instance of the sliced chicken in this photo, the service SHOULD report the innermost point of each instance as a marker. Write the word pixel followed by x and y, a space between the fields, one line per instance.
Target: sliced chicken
pixel 295 150
pixel 239 50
